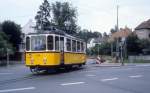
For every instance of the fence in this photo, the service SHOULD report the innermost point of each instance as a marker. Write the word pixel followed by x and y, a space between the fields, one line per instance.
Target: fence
pixel 132 59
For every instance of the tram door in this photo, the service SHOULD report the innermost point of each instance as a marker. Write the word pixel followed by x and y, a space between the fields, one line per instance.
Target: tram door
pixel 62 49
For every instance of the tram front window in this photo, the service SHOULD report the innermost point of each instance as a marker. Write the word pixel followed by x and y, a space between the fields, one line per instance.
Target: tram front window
pixel 38 43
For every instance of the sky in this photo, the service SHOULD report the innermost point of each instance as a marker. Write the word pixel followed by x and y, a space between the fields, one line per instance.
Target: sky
pixel 95 15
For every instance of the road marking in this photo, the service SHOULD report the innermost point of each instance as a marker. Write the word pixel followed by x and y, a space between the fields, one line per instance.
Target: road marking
pixel 115 67
pixel 109 79
pixel 91 71
pixel 65 84
pixel 127 69
pixel 90 75
pixel 136 76
pixel 18 89
pixel 143 65
pixel 5 73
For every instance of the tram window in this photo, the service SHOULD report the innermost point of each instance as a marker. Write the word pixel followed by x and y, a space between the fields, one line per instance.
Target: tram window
pixel 78 46
pixel 82 47
pixel 68 45
pixel 56 43
pixel 38 43
pixel 74 45
pixel 50 42
pixel 62 43
pixel 28 43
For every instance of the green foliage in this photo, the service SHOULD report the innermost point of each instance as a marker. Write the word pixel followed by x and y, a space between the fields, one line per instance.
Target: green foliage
pixel 105 34
pixel 4 45
pixel 102 49
pixel 43 17
pixel 64 17
pixel 12 33
pixel 145 46
pixel 86 34
pixel 133 45
pixel 113 30
pixel 59 15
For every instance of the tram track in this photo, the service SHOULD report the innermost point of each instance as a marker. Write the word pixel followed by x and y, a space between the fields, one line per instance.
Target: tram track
pixel 4 82
pixel 34 76
pixel 27 77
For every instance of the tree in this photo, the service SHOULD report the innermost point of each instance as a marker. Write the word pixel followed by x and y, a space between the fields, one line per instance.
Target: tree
pixel 145 46
pixel 13 32
pixel 113 30
pixel 64 17
pixel 43 17
pixel 105 34
pixel 103 49
pixel 133 44
pixel 97 34
pixel 4 45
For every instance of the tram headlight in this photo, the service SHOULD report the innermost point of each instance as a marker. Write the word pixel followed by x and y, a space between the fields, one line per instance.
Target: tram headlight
pixel 32 60
pixel 44 60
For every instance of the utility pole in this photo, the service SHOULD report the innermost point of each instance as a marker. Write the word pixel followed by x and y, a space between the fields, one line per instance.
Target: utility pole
pixel 98 49
pixel 117 44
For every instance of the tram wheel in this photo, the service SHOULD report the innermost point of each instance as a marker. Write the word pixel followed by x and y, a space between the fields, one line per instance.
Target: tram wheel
pixel 35 70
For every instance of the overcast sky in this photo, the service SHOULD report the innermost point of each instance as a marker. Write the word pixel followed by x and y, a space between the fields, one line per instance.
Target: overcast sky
pixel 95 15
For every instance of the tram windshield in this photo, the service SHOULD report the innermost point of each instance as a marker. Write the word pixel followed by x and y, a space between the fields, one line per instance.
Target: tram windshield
pixel 38 43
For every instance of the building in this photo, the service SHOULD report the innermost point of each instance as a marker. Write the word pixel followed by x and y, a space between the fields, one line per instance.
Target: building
pixel 93 41
pixel 143 30
pixel 28 27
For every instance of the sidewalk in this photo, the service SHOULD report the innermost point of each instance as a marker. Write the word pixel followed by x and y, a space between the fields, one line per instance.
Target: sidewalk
pixel 107 64
pixel 11 67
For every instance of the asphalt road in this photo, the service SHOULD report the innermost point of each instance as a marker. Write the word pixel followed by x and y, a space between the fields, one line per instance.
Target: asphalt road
pixel 89 79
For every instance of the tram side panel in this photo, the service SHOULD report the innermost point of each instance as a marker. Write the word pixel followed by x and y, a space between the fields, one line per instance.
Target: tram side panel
pixel 74 58
pixel 43 59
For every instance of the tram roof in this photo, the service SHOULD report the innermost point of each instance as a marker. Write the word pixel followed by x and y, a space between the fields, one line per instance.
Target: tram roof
pixel 57 32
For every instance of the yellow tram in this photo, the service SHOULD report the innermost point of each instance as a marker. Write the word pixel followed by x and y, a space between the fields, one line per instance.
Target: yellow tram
pixel 53 49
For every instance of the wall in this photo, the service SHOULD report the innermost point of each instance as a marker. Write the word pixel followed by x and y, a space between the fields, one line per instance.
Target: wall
pixel 143 33
pixel 133 58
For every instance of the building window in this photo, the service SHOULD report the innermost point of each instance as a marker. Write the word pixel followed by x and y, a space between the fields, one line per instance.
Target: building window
pixel 50 43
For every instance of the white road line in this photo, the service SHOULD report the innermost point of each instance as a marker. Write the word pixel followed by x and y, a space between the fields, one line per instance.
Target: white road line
pixel 90 75
pixel 91 71
pixel 5 73
pixel 109 79
pixel 18 89
pixel 143 65
pixel 65 84
pixel 136 76
pixel 115 67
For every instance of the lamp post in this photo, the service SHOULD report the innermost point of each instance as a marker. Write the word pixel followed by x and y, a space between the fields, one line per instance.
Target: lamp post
pixel 7 50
